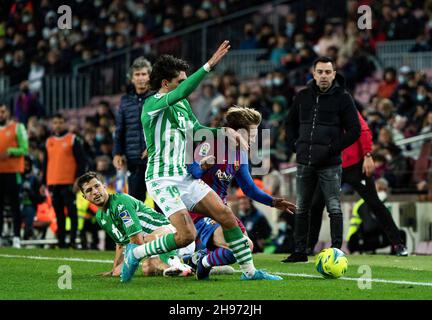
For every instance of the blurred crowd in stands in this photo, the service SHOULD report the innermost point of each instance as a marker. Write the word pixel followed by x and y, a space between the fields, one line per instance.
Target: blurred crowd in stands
pixel 32 46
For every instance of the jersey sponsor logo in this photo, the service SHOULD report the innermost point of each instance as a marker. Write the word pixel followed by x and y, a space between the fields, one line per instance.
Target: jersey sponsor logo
pixel 223 176
pixel 126 218
pixel 204 150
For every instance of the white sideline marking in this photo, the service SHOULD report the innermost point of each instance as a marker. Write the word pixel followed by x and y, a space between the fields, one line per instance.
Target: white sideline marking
pixel 55 258
pixel 300 275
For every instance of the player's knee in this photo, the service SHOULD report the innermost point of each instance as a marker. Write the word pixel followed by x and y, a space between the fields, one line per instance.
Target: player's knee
pixel 186 237
pixel 226 217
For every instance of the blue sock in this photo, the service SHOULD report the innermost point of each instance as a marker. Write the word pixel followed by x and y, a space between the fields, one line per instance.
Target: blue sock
pixel 220 257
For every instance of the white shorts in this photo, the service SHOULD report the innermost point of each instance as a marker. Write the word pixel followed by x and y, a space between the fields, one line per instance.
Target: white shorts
pixel 173 194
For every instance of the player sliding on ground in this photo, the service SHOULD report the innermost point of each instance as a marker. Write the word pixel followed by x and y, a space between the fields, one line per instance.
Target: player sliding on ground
pixel 128 220
pixel 167 118
pixel 218 172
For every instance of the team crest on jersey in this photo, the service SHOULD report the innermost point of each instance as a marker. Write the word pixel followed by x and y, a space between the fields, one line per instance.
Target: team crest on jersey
pixel 126 218
pixel 204 149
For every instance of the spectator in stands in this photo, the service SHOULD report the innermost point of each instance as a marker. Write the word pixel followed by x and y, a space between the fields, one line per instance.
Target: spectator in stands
pixel 291 25
pixel 329 39
pixel 273 181
pixel 256 224
pixel 279 50
pixel 312 26
pixel 279 112
pixel 208 104
pixel 129 145
pixel 103 110
pixel 422 44
pixel 13 148
pixel 27 104
pixel 35 76
pixel 386 108
pixel 64 162
pixel 406 25
pixel 388 84
pixel 265 33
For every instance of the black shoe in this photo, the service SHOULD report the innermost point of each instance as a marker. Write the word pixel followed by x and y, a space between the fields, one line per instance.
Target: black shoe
pixel 296 257
pixel 401 250
pixel 310 252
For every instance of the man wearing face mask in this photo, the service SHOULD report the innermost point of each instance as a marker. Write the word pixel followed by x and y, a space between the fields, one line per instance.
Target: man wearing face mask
pixel 13 148
pixel 129 145
pixel 358 167
pixel 366 232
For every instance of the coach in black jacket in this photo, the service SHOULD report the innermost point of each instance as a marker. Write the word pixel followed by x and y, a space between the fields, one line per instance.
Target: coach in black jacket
pixel 129 145
pixel 322 122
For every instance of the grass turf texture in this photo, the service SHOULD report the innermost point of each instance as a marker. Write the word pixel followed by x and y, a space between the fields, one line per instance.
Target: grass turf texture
pixel 23 278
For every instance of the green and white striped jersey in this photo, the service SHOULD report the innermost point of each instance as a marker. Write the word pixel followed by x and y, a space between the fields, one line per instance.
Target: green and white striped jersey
pixel 167 120
pixel 126 216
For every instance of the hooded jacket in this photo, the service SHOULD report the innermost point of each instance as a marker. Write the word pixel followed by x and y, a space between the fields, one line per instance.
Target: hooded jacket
pixel 322 124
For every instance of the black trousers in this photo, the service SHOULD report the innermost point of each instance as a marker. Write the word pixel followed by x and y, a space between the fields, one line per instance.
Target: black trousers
pixel 354 176
pixel 136 181
pixel 10 188
pixel 328 180
pixel 63 196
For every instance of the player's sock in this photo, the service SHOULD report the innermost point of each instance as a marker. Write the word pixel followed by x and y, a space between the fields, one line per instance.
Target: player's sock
pixel 239 245
pixel 163 244
pixel 165 256
pixel 219 257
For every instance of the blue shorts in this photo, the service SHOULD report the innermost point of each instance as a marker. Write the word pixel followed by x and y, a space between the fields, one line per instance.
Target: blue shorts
pixel 205 228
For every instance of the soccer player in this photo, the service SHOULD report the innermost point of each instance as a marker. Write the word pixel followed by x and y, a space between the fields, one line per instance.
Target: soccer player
pixel 128 220
pixel 167 118
pixel 219 176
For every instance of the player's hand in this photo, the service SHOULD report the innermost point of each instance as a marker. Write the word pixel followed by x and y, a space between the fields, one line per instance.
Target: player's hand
pixel 284 205
pixel 236 138
pixel 118 162
pixel 144 154
pixel 368 166
pixel 219 54
pixel 106 274
pixel 207 162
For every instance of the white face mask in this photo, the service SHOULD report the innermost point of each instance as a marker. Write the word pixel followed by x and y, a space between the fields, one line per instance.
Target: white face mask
pixel 167 30
pixel 382 195
pixel 282 226
pixel 299 45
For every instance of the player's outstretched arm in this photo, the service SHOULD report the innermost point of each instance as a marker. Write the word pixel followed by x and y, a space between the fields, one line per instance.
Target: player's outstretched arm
pixel 250 189
pixel 186 87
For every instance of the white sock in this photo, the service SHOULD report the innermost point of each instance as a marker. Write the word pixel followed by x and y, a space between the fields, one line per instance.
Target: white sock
pixel 248 269
pixel 205 262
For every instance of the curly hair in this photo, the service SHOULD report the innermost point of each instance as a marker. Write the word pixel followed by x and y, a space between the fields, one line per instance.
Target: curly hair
pixel 166 67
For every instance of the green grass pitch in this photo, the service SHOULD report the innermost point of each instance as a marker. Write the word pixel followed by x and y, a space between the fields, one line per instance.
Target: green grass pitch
pixel 24 276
